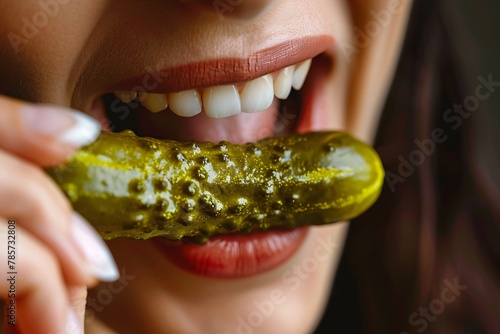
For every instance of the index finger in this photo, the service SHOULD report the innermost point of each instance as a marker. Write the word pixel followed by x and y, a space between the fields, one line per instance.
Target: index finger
pixel 43 134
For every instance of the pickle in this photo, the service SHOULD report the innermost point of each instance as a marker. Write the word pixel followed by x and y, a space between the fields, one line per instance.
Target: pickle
pixel 128 186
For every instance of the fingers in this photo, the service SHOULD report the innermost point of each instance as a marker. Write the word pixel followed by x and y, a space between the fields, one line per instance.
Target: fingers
pixel 29 196
pixel 60 254
pixel 44 135
pixel 37 298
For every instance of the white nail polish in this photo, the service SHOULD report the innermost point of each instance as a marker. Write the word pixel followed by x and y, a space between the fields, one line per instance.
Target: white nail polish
pixel 94 250
pixel 84 132
pixel 69 126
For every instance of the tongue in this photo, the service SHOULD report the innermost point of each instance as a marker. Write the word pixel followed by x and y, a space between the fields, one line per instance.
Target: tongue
pixel 238 129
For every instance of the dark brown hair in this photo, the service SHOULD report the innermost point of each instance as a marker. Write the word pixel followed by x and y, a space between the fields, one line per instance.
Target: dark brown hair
pixel 426 257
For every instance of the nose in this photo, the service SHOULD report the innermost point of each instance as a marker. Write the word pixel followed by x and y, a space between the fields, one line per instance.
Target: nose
pixel 230 8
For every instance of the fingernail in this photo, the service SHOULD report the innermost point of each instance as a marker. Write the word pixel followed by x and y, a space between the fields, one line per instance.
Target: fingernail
pixel 69 126
pixel 94 249
pixel 73 324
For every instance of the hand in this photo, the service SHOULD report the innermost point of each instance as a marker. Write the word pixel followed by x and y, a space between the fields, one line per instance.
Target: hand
pixel 54 252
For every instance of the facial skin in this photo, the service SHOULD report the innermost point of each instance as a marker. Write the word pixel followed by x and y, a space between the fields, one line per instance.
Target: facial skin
pixel 89 45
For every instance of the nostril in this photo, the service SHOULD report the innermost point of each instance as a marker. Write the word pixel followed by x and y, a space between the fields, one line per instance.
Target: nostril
pixel 243 9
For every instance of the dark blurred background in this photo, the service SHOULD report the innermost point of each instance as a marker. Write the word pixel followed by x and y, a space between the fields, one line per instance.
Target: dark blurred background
pixel 383 277
pixel 482 18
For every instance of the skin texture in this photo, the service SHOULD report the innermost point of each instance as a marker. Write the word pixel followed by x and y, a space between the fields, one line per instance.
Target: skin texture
pixel 189 190
pixel 87 46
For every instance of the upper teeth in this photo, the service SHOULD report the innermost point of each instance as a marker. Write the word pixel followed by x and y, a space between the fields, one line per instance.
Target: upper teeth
pixel 154 102
pixel 258 94
pixel 186 103
pixel 283 83
pixel 224 101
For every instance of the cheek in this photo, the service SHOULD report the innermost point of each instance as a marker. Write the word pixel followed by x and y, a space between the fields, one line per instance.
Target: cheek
pixel 41 41
pixel 378 32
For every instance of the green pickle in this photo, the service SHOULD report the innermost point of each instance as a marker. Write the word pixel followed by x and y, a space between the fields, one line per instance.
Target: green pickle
pixel 128 186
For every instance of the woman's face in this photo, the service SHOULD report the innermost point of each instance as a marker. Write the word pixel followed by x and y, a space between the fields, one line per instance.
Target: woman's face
pixel 74 52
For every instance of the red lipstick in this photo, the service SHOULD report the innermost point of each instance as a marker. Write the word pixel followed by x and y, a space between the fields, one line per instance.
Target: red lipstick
pixel 226 70
pixel 234 256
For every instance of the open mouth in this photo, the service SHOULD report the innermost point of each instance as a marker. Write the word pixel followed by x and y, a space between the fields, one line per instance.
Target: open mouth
pixel 237 100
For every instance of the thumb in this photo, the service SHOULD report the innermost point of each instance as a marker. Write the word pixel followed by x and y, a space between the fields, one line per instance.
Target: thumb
pixel 43 134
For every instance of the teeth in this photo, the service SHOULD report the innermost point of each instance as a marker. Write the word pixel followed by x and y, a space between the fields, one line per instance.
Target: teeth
pixel 283 83
pixel 224 101
pixel 126 97
pixel 186 104
pixel 300 74
pixel 221 101
pixel 154 102
pixel 257 95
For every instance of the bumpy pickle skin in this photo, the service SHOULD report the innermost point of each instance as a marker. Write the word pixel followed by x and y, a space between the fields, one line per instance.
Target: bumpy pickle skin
pixel 128 186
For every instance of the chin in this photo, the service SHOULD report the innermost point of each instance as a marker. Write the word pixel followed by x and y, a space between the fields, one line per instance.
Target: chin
pixel 289 297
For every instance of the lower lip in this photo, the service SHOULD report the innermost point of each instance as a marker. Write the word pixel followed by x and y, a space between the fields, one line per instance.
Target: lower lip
pixel 234 256
pixel 239 255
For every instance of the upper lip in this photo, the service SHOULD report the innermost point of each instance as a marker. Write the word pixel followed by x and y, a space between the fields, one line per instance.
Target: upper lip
pixel 226 70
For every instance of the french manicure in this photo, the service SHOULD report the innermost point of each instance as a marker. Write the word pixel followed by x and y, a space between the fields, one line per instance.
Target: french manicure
pixel 69 126
pixel 94 249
